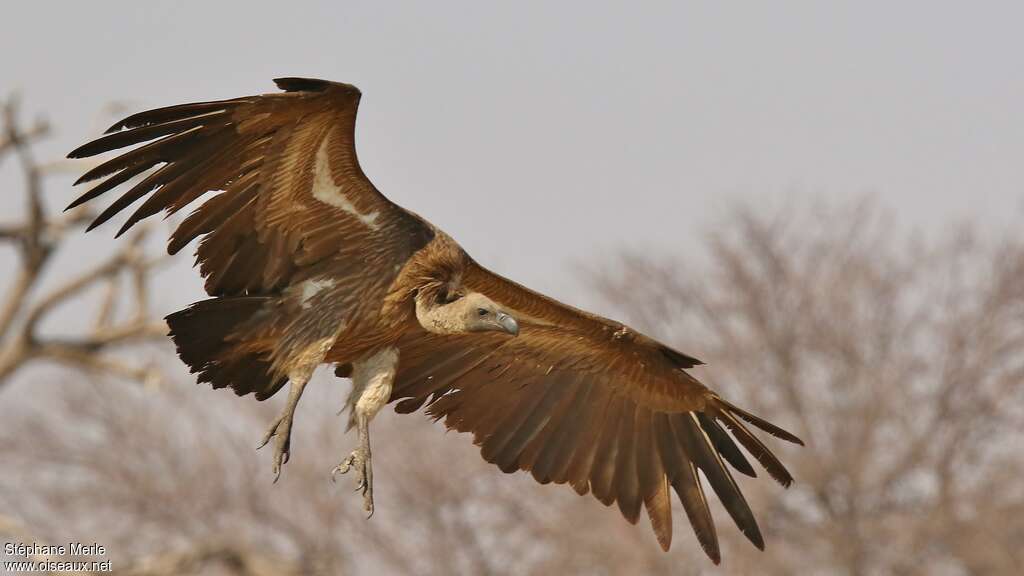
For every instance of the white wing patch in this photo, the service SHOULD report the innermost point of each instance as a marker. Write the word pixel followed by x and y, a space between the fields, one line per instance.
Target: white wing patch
pixel 312 287
pixel 326 190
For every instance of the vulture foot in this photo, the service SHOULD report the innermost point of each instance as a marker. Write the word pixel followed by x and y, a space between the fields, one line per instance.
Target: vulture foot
pixel 360 460
pixel 281 427
pixel 281 430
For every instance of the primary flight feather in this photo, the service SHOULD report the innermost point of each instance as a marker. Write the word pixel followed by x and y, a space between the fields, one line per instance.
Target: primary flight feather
pixel 307 263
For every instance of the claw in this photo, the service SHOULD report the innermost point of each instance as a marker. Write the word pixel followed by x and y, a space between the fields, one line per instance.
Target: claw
pixel 343 467
pixel 360 461
pixel 281 429
pixel 269 433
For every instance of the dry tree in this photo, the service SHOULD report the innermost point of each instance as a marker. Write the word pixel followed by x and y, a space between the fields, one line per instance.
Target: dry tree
pixel 901 361
pixel 36 239
pixel 123 279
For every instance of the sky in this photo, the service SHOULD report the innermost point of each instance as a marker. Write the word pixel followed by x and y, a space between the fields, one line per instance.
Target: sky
pixel 547 135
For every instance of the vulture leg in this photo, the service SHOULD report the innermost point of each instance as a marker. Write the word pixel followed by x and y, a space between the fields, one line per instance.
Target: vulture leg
pixel 371 389
pixel 281 427
pixel 360 459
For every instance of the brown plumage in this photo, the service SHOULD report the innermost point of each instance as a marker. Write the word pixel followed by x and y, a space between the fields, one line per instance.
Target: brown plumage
pixel 308 263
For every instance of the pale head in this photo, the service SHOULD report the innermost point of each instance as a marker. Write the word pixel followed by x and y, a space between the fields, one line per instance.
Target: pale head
pixel 472 312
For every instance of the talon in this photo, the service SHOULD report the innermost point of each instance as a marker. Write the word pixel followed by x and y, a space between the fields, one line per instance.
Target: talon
pixel 281 429
pixel 271 431
pixel 368 501
pixel 342 467
pixel 360 461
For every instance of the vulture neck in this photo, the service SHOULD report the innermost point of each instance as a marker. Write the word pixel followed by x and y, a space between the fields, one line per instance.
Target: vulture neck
pixel 440 318
pixel 436 274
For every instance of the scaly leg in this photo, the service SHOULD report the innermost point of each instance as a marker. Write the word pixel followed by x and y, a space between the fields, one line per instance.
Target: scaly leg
pixel 281 427
pixel 360 459
pixel 372 378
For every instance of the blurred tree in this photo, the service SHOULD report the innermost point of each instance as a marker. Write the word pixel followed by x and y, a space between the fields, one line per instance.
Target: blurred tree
pixel 124 279
pixel 899 362
pixel 36 239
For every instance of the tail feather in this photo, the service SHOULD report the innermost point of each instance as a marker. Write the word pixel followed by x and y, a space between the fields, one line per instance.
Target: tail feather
pixel 206 335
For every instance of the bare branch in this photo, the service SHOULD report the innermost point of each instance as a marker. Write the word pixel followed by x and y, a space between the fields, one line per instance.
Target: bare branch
pixel 37 239
pixel 900 364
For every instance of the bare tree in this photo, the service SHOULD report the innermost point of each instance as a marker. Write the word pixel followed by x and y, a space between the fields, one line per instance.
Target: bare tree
pixel 36 239
pixel 901 363
pixel 168 480
pixel 123 319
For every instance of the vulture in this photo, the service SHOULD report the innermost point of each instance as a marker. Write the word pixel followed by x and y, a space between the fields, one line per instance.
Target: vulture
pixel 306 262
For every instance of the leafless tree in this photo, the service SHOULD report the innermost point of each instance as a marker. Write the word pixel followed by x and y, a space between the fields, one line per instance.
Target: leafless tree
pixel 898 361
pixel 168 479
pixel 36 239
pixel 122 319
pixel 901 363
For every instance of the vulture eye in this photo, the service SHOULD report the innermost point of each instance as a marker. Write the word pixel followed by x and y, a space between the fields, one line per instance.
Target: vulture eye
pixel 481 312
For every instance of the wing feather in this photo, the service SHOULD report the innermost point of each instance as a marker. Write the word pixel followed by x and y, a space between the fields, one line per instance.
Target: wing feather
pixel 116 140
pixel 508 458
pixel 148 155
pixel 516 423
pixel 725 445
pixel 555 453
pixel 270 221
pixel 652 481
pixel 627 487
pixel 757 449
pixel 171 113
pixel 577 470
pixel 578 399
pixel 529 458
pixel 698 446
pixel 659 510
pixel 760 423
pixel 110 183
pixel 216 210
pixel 602 470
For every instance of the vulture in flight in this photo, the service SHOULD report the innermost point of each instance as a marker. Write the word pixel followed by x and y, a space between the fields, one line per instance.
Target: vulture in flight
pixel 307 263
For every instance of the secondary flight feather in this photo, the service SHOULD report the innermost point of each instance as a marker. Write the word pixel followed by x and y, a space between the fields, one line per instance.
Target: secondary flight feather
pixel 307 263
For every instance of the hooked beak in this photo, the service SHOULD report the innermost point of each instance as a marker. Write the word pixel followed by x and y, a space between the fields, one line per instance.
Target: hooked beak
pixel 508 324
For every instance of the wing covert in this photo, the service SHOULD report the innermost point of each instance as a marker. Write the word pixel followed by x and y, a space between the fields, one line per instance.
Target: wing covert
pixel 290 194
pixel 582 400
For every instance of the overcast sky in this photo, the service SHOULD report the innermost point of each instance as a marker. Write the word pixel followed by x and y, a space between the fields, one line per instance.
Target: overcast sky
pixel 545 134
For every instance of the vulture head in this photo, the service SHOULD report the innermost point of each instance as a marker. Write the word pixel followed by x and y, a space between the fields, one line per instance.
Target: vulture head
pixel 472 312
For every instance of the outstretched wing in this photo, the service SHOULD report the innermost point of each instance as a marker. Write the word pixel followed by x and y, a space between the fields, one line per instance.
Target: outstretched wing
pixel 292 197
pixel 579 399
